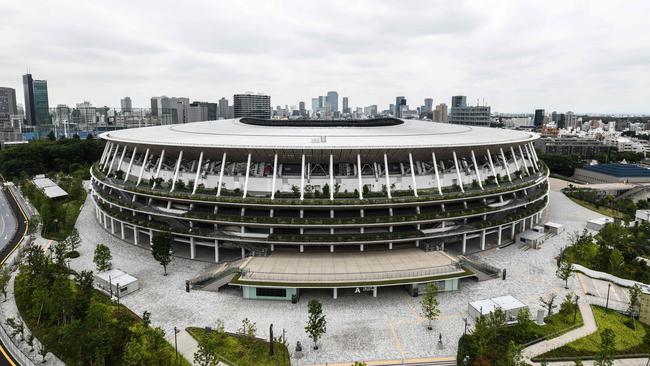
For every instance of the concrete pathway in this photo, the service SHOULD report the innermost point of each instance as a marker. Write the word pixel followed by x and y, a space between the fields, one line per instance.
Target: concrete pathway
pixel 187 345
pixel 553 343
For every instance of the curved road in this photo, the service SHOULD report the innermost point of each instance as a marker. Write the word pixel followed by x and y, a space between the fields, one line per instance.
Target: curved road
pixel 9 238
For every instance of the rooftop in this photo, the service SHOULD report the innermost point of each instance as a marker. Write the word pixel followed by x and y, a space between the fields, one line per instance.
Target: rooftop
pixel 48 187
pixel 619 170
pixel 388 133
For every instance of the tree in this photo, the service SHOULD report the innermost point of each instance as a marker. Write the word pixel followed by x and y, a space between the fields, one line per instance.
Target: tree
pixel 316 325
pixel 635 303
pixel 5 276
pixel 549 303
pixel 430 308
pixel 102 258
pixel 564 272
pixel 161 249
pixel 206 355
pixel 60 252
pixel 607 348
pixel 74 240
pixel 148 347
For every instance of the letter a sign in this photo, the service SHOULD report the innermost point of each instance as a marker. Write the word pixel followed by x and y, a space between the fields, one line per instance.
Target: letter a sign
pixel 357 291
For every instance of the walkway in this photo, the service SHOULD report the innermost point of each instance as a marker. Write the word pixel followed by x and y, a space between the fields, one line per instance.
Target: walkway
pixel 553 343
pixel 187 345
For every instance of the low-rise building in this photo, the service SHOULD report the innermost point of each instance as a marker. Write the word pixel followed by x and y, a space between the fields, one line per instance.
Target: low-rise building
pixel 613 173
pixel 599 223
pixel 586 148
pixel 509 304
pixel 115 282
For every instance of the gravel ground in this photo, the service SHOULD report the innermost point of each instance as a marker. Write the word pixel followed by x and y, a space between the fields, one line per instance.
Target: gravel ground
pixel 359 327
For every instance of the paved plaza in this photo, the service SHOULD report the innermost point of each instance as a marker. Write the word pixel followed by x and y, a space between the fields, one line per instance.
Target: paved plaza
pixel 349 266
pixel 359 327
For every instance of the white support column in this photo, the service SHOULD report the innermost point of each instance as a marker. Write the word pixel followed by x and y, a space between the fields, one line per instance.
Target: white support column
pixel 119 164
pixel 499 236
pixel 101 160
pixel 198 173
pixel 530 158
pixel 512 230
pixel 361 247
pixel 523 159
pixel 248 172
pixel 334 293
pixel 144 164
pixel 302 248
pixel 374 291
pixel 494 172
pixel 223 167
pixel 460 180
pixel 302 177
pixel 505 164
pixel 331 248
pixel 122 230
pixel 112 225
pixel 387 176
pixel 110 166
pixel 514 157
pixel 532 149
pixel 275 173
pixel 135 235
pixel 108 155
pixel 192 248
pixel 128 170
pixel 243 253
pixel 478 175
pixel 178 167
pixel 464 243
pixel 483 240
pixel 216 250
pixel 331 177
pixel 415 188
pixel 160 161
pixel 359 175
pixel 435 169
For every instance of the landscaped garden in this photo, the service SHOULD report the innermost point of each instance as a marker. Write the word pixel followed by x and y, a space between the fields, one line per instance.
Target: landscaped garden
pixel 629 338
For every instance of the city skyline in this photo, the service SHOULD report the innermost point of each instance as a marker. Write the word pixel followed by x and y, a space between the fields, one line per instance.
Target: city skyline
pixel 488 52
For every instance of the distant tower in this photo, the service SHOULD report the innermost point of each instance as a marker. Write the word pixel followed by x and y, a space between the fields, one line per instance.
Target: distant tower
pixel 252 105
pixel 126 104
pixel 333 99
pixel 37 108
pixel 346 105
pixel 400 102
pixel 539 118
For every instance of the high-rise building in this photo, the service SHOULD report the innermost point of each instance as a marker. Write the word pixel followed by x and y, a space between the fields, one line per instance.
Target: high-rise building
pixel 458 101
pixel 539 118
pixel 440 113
pixel 333 99
pixel 7 105
pixel 571 120
pixel 202 111
pixel 428 105
pixel 125 103
pixel 315 106
pixel 301 109
pixel 252 105
pixel 37 106
pixel 346 105
pixel 224 110
pixel 400 103
pixel 87 114
pixel 463 114
pixel 170 109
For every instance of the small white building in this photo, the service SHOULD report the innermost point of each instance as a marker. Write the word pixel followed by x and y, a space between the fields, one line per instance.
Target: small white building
pixel 509 304
pixel 553 228
pixel 599 223
pixel 109 281
pixel 531 238
pixel 642 216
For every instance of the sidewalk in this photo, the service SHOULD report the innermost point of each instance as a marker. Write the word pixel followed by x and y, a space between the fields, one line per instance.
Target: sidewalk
pixel 187 345
pixel 553 343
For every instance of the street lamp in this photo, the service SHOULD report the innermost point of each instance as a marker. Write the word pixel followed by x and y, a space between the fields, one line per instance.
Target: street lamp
pixel 609 286
pixel 465 320
pixel 176 331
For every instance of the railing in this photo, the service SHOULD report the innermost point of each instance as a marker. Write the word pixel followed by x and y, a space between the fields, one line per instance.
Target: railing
pixel 351 277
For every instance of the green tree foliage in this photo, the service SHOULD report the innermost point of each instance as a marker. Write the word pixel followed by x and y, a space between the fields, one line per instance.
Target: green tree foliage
pixel 102 258
pixel 207 355
pixel 148 346
pixel 564 272
pixel 561 164
pixel 75 322
pixel 38 157
pixel 161 249
pixel 316 324
pixel 607 348
pixel 549 303
pixel 635 303
pixel 430 309
pixel 5 276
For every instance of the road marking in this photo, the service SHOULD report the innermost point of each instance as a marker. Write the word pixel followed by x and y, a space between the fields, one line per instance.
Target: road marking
pixel 595 287
pixel 582 283
pixel 615 292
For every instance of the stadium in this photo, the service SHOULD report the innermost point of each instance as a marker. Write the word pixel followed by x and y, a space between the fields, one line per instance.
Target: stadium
pixel 370 191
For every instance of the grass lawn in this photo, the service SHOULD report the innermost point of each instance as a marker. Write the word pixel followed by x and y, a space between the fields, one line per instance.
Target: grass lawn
pixel 628 340
pixel 601 210
pixel 245 351
pixel 557 324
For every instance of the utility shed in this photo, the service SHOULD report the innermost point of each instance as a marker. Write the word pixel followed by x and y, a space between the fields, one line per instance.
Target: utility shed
pixel 509 304
pixel 531 238
pixel 599 223
pixel 108 282
pixel 48 187
pixel 553 228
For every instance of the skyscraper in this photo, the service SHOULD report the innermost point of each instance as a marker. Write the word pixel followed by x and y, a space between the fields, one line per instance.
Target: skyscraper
pixel 539 118
pixel 346 105
pixel 333 99
pixel 400 103
pixel 224 111
pixel 252 105
pixel 458 101
pixel 440 114
pixel 428 105
pixel 126 104
pixel 37 107
pixel 7 105
pixel 314 105
pixel 301 108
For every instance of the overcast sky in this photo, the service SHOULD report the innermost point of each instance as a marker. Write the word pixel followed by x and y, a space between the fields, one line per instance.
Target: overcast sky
pixel 584 56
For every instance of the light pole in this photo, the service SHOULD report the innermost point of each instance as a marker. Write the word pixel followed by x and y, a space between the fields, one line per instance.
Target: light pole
pixel 609 286
pixel 465 320
pixel 176 331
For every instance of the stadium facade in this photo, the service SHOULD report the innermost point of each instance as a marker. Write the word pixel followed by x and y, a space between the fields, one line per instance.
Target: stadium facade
pixel 258 185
